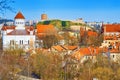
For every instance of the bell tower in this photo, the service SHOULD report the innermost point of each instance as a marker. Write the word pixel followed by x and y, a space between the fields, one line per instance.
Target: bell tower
pixel 19 21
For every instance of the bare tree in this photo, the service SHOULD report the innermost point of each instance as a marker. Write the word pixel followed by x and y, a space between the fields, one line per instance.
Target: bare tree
pixel 6 5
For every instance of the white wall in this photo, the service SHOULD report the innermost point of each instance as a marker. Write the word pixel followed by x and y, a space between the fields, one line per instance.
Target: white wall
pixel 115 56
pixel 9 30
pixel 20 23
pixel 25 38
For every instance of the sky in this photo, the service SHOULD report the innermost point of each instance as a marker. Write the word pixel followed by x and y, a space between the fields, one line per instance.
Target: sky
pixel 89 10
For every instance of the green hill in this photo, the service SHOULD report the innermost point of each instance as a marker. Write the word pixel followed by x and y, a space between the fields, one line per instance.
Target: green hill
pixel 60 24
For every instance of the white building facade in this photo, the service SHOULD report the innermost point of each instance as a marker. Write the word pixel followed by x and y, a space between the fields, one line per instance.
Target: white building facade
pixel 18 35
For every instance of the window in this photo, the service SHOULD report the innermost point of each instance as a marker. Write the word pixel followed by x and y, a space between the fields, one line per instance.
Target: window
pixel 28 42
pixel 20 41
pixel 12 42
pixel 113 56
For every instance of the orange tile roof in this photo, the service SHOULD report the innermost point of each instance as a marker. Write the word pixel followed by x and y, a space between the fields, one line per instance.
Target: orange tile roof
pixel 85 51
pixel 8 27
pixel 70 47
pixel 30 28
pixel 4 28
pixel 45 28
pixel 112 28
pixel 77 55
pixel 19 16
pixel 92 51
pixel 92 33
pixel 87 32
pixel 58 48
pixel 19 32
pixel 110 38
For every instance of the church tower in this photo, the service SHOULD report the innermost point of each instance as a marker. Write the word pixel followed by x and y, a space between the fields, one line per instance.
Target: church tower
pixel 19 21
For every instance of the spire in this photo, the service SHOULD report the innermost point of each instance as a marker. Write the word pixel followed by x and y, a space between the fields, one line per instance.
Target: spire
pixel 19 16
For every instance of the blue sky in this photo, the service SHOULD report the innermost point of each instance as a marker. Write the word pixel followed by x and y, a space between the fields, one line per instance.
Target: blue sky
pixel 89 10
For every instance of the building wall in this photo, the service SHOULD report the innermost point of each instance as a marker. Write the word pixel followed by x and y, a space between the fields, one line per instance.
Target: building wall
pixel 115 56
pixel 17 38
pixel 20 23
pixel 44 17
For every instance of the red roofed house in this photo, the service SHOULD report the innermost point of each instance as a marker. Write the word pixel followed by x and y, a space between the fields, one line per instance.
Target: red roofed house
pixel 86 53
pixel 86 35
pixel 43 30
pixel 111 35
pixel 18 34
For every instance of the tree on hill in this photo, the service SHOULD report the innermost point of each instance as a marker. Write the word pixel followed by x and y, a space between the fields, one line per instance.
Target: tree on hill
pixel 60 24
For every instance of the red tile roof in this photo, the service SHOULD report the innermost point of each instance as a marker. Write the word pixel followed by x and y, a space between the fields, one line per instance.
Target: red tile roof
pixel 89 33
pixel 112 28
pixel 8 27
pixel 92 51
pixel 43 30
pixel 58 48
pixel 92 33
pixel 19 16
pixel 4 28
pixel 30 28
pixel 64 47
pixel 19 32
pixel 85 51
pixel 70 47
